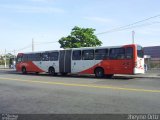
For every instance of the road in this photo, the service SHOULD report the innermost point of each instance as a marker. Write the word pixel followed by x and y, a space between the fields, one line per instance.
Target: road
pixel 77 94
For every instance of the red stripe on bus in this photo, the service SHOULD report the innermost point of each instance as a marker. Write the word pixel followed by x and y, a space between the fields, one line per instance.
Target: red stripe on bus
pixel 30 67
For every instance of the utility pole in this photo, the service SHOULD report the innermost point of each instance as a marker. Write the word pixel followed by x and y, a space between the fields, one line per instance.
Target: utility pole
pixel 14 54
pixel 32 45
pixel 5 65
pixel 133 34
pixel 14 61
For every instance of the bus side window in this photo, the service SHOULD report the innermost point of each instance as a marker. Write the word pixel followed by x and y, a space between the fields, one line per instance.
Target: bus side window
pixel 38 57
pixel 53 56
pixel 31 57
pixel 25 57
pixel 45 57
pixel 129 52
pixel 101 54
pixel 117 53
pixel 76 55
pixel 88 54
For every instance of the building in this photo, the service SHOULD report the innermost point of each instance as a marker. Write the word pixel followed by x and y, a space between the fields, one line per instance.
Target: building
pixel 154 60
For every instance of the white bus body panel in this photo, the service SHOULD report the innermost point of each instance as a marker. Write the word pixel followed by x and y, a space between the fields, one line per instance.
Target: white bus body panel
pixel 139 69
pixel 44 65
pixel 78 66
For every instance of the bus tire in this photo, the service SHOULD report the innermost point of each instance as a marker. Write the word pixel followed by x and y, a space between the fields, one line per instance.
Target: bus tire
pixel 51 71
pixel 99 72
pixel 24 71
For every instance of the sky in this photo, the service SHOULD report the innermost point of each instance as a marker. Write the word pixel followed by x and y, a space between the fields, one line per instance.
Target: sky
pixel 46 21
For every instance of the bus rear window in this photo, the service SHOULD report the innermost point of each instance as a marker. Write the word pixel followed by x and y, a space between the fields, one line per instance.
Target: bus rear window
pixel 140 51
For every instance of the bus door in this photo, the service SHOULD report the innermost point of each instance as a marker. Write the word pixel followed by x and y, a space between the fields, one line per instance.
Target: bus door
pixel 121 60
pixel 65 61
pixel 76 64
pixel 83 61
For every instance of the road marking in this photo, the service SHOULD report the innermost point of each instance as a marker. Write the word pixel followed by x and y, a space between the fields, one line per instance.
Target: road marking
pixel 82 85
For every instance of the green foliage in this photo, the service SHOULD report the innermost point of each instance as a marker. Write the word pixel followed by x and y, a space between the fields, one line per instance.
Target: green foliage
pixel 1 62
pixel 155 64
pixel 80 37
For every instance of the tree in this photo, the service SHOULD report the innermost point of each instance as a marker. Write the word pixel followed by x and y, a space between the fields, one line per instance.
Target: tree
pixel 80 37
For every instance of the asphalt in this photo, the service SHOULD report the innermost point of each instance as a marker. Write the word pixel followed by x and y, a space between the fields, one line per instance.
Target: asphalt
pixel 31 93
pixel 152 73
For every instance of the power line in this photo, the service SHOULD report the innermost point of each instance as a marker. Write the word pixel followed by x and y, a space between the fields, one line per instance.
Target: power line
pixel 131 27
pixel 123 27
pixel 39 43
pixel 28 46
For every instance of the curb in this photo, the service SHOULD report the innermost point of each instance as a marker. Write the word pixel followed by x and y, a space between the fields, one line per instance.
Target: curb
pixel 138 76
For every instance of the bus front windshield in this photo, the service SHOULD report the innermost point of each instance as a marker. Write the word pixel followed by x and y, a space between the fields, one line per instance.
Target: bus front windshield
pixel 140 51
pixel 19 59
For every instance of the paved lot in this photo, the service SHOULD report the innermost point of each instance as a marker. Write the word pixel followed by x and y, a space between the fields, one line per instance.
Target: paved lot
pixel 77 94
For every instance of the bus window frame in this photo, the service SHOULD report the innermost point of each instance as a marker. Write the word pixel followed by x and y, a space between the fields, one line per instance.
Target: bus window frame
pixel 38 57
pixel 75 57
pixel 84 57
pixel 132 53
pixel 54 58
pixel 138 53
pixel 45 58
pixel 115 55
pixel 23 57
pixel 19 57
pixel 103 56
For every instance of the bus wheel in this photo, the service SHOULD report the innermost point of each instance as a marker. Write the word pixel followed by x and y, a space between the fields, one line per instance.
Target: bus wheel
pixel 24 70
pixel 51 71
pixel 99 72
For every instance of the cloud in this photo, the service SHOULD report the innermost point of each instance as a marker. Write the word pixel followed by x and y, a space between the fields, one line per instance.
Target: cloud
pixel 99 19
pixel 31 9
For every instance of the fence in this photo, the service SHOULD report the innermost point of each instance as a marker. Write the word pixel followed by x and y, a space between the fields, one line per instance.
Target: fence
pixel 153 63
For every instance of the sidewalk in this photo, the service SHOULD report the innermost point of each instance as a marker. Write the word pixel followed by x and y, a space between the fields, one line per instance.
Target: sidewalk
pixel 7 69
pixel 148 74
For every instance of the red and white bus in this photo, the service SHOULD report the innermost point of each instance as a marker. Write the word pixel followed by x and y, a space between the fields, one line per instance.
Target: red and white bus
pixel 101 61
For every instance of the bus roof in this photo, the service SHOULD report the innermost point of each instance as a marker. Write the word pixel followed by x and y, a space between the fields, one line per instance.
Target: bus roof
pixel 100 47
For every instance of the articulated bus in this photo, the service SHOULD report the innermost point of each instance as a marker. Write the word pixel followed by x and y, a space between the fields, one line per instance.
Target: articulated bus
pixel 101 61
